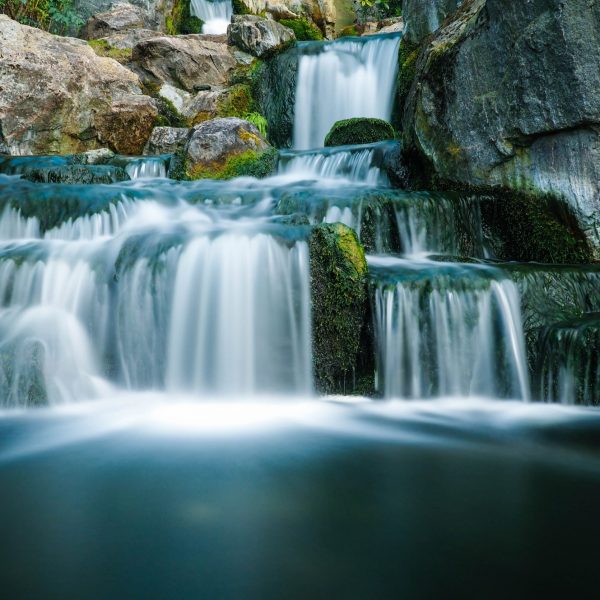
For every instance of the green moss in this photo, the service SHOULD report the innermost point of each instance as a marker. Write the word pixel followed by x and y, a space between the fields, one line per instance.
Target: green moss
pixel 238 102
pixel 304 29
pixel 349 31
pixel 103 48
pixel 181 21
pixel 339 302
pixel 246 164
pixel 168 115
pixel 359 131
pixel 407 70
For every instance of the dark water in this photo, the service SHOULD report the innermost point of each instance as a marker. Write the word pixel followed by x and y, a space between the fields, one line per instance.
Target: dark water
pixel 312 500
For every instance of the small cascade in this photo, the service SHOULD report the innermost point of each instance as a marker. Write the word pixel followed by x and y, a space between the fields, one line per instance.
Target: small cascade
pixel 215 14
pixel 150 166
pixel 347 78
pixel 447 329
pixel 570 362
pixel 358 164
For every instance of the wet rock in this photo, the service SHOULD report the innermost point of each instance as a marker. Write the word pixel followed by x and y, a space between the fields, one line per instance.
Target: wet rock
pixel 225 148
pixel 258 36
pixel 185 61
pixel 359 131
pixel 121 17
pixel 95 157
pixel 167 140
pixel 77 174
pixel 339 303
pixel 57 96
pixel 493 106
pixel 424 17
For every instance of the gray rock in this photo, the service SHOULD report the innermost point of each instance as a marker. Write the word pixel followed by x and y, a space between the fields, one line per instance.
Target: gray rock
pixel 119 18
pixel 213 142
pixel 184 61
pixel 258 36
pixel 166 140
pixel 423 17
pixel 506 95
pixel 95 157
pixel 58 97
pixel 126 40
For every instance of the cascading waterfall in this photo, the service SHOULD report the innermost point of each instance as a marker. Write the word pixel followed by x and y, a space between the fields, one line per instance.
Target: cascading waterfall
pixel 215 14
pixel 340 80
pixel 447 330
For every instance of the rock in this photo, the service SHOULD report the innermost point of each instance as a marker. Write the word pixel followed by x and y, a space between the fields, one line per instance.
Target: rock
pixel 359 131
pixel 57 96
pixel 338 271
pixel 492 104
pixel 121 17
pixel 258 36
pixel 95 157
pixel 126 40
pixel 76 174
pixel 424 17
pixel 185 61
pixel 224 148
pixel 167 140
pixel 280 11
pixel 393 25
pixel 158 12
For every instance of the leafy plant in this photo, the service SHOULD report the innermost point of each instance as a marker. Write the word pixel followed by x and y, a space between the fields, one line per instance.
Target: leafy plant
pixel 56 16
pixel 259 122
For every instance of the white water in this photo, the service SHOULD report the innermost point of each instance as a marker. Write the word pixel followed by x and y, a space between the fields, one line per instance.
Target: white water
pixel 449 330
pixel 341 80
pixel 155 166
pixel 216 15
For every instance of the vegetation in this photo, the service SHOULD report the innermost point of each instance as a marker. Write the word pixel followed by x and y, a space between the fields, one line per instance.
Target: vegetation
pixel 407 70
pixel 359 131
pixel 349 31
pixel 304 29
pixel 338 280
pixel 103 48
pixel 259 122
pixel 168 115
pixel 246 164
pixel 181 21
pixel 56 16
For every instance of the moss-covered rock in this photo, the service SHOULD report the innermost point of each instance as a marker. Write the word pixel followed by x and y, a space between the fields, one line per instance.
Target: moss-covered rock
pixel 339 302
pixel 349 31
pixel 304 29
pixel 359 131
pixel 181 21
pixel 104 48
pixel 247 164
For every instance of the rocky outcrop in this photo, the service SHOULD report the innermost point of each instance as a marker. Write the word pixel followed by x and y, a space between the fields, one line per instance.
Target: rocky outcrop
pixel 167 140
pixel 121 17
pixel 258 36
pixel 57 96
pixel 505 97
pixel 225 148
pixel 188 62
pixel 423 17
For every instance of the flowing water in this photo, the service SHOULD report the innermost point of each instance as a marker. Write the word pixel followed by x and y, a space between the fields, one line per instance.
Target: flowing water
pixel 216 14
pixel 160 435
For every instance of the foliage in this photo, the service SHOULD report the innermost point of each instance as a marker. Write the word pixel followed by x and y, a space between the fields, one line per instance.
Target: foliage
pixel 56 16
pixel 359 131
pixel 259 122
pixel 392 8
pixel 103 48
pixel 239 8
pixel 304 29
pixel 181 21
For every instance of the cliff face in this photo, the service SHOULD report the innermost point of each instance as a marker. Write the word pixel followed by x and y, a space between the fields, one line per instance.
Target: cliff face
pixel 426 16
pixel 506 96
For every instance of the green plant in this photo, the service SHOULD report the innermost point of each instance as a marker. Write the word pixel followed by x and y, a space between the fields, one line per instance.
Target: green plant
pixel 259 122
pixel 303 29
pixel 56 16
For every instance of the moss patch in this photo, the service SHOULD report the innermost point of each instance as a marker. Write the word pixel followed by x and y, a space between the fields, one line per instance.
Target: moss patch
pixel 350 31
pixel 181 21
pixel 304 29
pixel 168 115
pixel 359 131
pixel 339 302
pixel 238 102
pixel 103 48
pixel 245 164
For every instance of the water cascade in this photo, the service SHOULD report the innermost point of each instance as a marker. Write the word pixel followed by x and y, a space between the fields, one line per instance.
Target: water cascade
pixel 215 14
pixel 343 79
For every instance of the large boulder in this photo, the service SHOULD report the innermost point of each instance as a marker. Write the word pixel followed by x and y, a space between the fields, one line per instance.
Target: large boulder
pixel 258 36
pixel 57 96
pixel 225 148
pixel 121 17
pixel 423 17
pixel 189 62
pixel 167 140
pixel 506 96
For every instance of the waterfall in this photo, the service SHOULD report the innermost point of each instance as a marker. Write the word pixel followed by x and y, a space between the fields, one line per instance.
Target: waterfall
pixel 448 330
pixel 358 164
pixel 152 166
pixel 340 80
pixel 215 14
